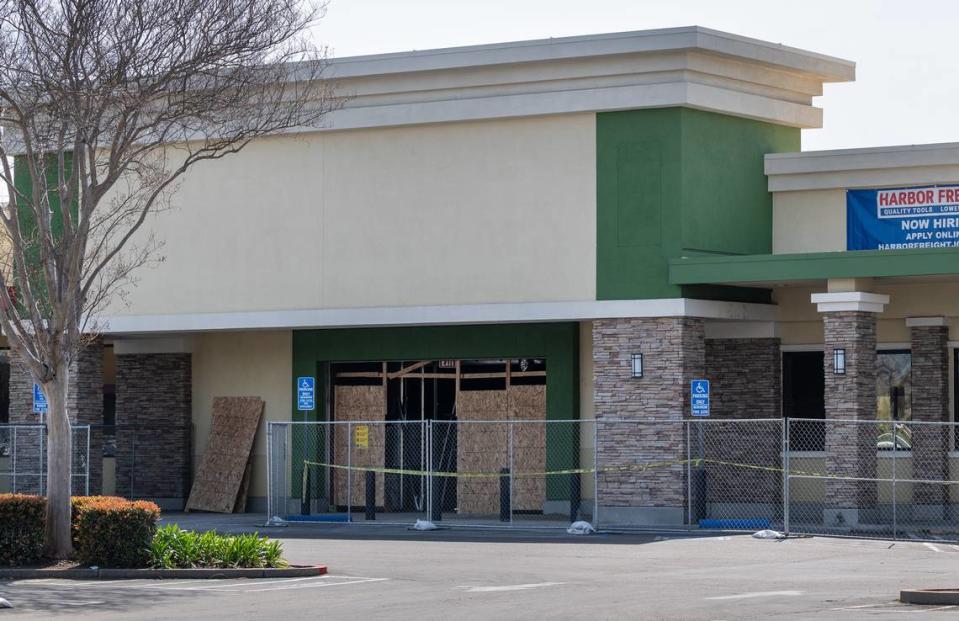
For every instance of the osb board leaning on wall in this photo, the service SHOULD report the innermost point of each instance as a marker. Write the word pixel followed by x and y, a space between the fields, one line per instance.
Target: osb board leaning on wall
pixel 219 482
pixel 361 444
pixel 484 447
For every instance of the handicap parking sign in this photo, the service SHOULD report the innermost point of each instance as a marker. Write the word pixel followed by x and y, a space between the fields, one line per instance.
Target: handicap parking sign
pixel 305 394
pixel 699 397
pixel 39 400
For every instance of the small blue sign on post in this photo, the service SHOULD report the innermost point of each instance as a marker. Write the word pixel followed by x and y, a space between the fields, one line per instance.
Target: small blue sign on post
pixel 699 397
pixel 305 394
pixel 39 400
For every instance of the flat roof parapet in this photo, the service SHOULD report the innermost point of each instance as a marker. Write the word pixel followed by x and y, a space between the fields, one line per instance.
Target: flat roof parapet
pixel 887 166
pixel 690 66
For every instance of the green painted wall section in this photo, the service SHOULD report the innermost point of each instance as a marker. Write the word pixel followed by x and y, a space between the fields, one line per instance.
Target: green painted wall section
pixel 558 343
pixel 23 183
pixel 675 182
pixel 774 268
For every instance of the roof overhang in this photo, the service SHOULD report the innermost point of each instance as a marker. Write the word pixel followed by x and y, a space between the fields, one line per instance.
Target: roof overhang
pixel 690 66
pixel 866 167
pixel 467 314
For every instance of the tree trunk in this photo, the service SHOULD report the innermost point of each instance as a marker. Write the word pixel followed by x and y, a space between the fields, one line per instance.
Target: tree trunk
pixel 59 543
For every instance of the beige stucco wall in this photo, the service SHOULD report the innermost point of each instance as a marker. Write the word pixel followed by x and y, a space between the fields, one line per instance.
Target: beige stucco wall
pixel 800 322
pixel 453 213
pixel 809 221
pixel 234 364
pixel 814 489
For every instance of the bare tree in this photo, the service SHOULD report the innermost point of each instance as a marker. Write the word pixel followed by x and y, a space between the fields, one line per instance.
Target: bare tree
pixel 104 106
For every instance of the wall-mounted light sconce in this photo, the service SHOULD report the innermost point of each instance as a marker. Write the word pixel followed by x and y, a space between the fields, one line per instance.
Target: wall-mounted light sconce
pixel 637 365
pixel 839 361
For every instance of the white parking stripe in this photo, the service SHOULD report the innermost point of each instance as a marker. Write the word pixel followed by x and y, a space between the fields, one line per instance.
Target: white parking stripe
pixel 218 584
pixel 932 547
pixel 312 585
pixel 756 594
pixel 892 603
pixel 512 587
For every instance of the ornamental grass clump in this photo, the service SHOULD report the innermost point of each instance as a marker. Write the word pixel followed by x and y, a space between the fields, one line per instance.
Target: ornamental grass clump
pixel 175 548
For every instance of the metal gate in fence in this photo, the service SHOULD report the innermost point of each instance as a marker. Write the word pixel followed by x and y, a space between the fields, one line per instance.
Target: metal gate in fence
pixel 834 477
pixel 23 459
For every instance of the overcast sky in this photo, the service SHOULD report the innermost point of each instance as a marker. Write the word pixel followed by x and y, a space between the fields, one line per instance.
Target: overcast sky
pixel 907 62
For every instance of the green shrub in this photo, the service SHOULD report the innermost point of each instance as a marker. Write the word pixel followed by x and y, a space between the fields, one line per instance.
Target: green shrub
pixel 113 532
pixel 175 548
pixel 21 528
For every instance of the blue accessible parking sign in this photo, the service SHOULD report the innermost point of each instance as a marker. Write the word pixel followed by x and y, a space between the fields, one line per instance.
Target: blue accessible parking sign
pixel 39 400
pixel 305 394
pixel 699 397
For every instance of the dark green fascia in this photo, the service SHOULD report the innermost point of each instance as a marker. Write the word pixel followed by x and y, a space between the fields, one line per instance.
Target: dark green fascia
pixel 558 343
pixel 773 268
pixel 674 182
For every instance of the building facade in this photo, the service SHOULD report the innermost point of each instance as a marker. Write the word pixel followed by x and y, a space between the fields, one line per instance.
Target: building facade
pixel 555 208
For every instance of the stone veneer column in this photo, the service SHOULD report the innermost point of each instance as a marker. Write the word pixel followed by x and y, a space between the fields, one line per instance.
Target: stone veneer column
pixel 154 415
pixel 745 376
pixel 673 354
pixel 26 444
pixel 930 403
pixel 849 322
pixel 84 405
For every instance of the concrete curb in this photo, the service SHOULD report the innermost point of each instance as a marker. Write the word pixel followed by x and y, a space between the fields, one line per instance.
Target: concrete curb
pixel 299 571
pixel 934 597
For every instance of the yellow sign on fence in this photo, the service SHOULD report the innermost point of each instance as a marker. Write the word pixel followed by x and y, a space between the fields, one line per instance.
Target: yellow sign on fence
pixel 361 436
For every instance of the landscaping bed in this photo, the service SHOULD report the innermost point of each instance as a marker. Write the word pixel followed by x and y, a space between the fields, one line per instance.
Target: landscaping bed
pixel 118 538
pixel 87 573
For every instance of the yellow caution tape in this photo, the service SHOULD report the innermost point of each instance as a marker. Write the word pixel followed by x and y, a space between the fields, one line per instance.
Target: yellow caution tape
pixel 496 475
pixel 606 469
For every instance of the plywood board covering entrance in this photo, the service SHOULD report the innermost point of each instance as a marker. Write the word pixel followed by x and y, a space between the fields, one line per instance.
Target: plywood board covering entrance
pixel 528 403
pixel 219 478
pixel 355 446
pixel 484 447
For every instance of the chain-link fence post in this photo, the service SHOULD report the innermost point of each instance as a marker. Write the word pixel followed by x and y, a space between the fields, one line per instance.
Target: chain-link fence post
pixel 269 473
pixel 689 474
pixel 596 474
pixel 895 449
pixel 430 482
pixel 13 459
pixel 87 486
pixel 349 471
pixel 785 463
pixel 509 463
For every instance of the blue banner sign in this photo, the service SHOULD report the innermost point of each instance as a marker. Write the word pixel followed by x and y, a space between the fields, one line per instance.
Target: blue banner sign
pixel 897 218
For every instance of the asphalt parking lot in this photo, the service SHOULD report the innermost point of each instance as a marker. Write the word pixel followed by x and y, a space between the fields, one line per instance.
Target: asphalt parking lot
pixel 385 572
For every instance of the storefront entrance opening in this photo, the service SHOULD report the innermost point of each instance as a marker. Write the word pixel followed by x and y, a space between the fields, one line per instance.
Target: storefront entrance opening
pixel 469 404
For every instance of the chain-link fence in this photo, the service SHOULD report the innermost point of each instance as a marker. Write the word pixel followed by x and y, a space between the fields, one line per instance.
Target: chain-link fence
pixel 889 479
pixel 835 477
pixel 482 473
pixel 142 460
pixel 23 459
